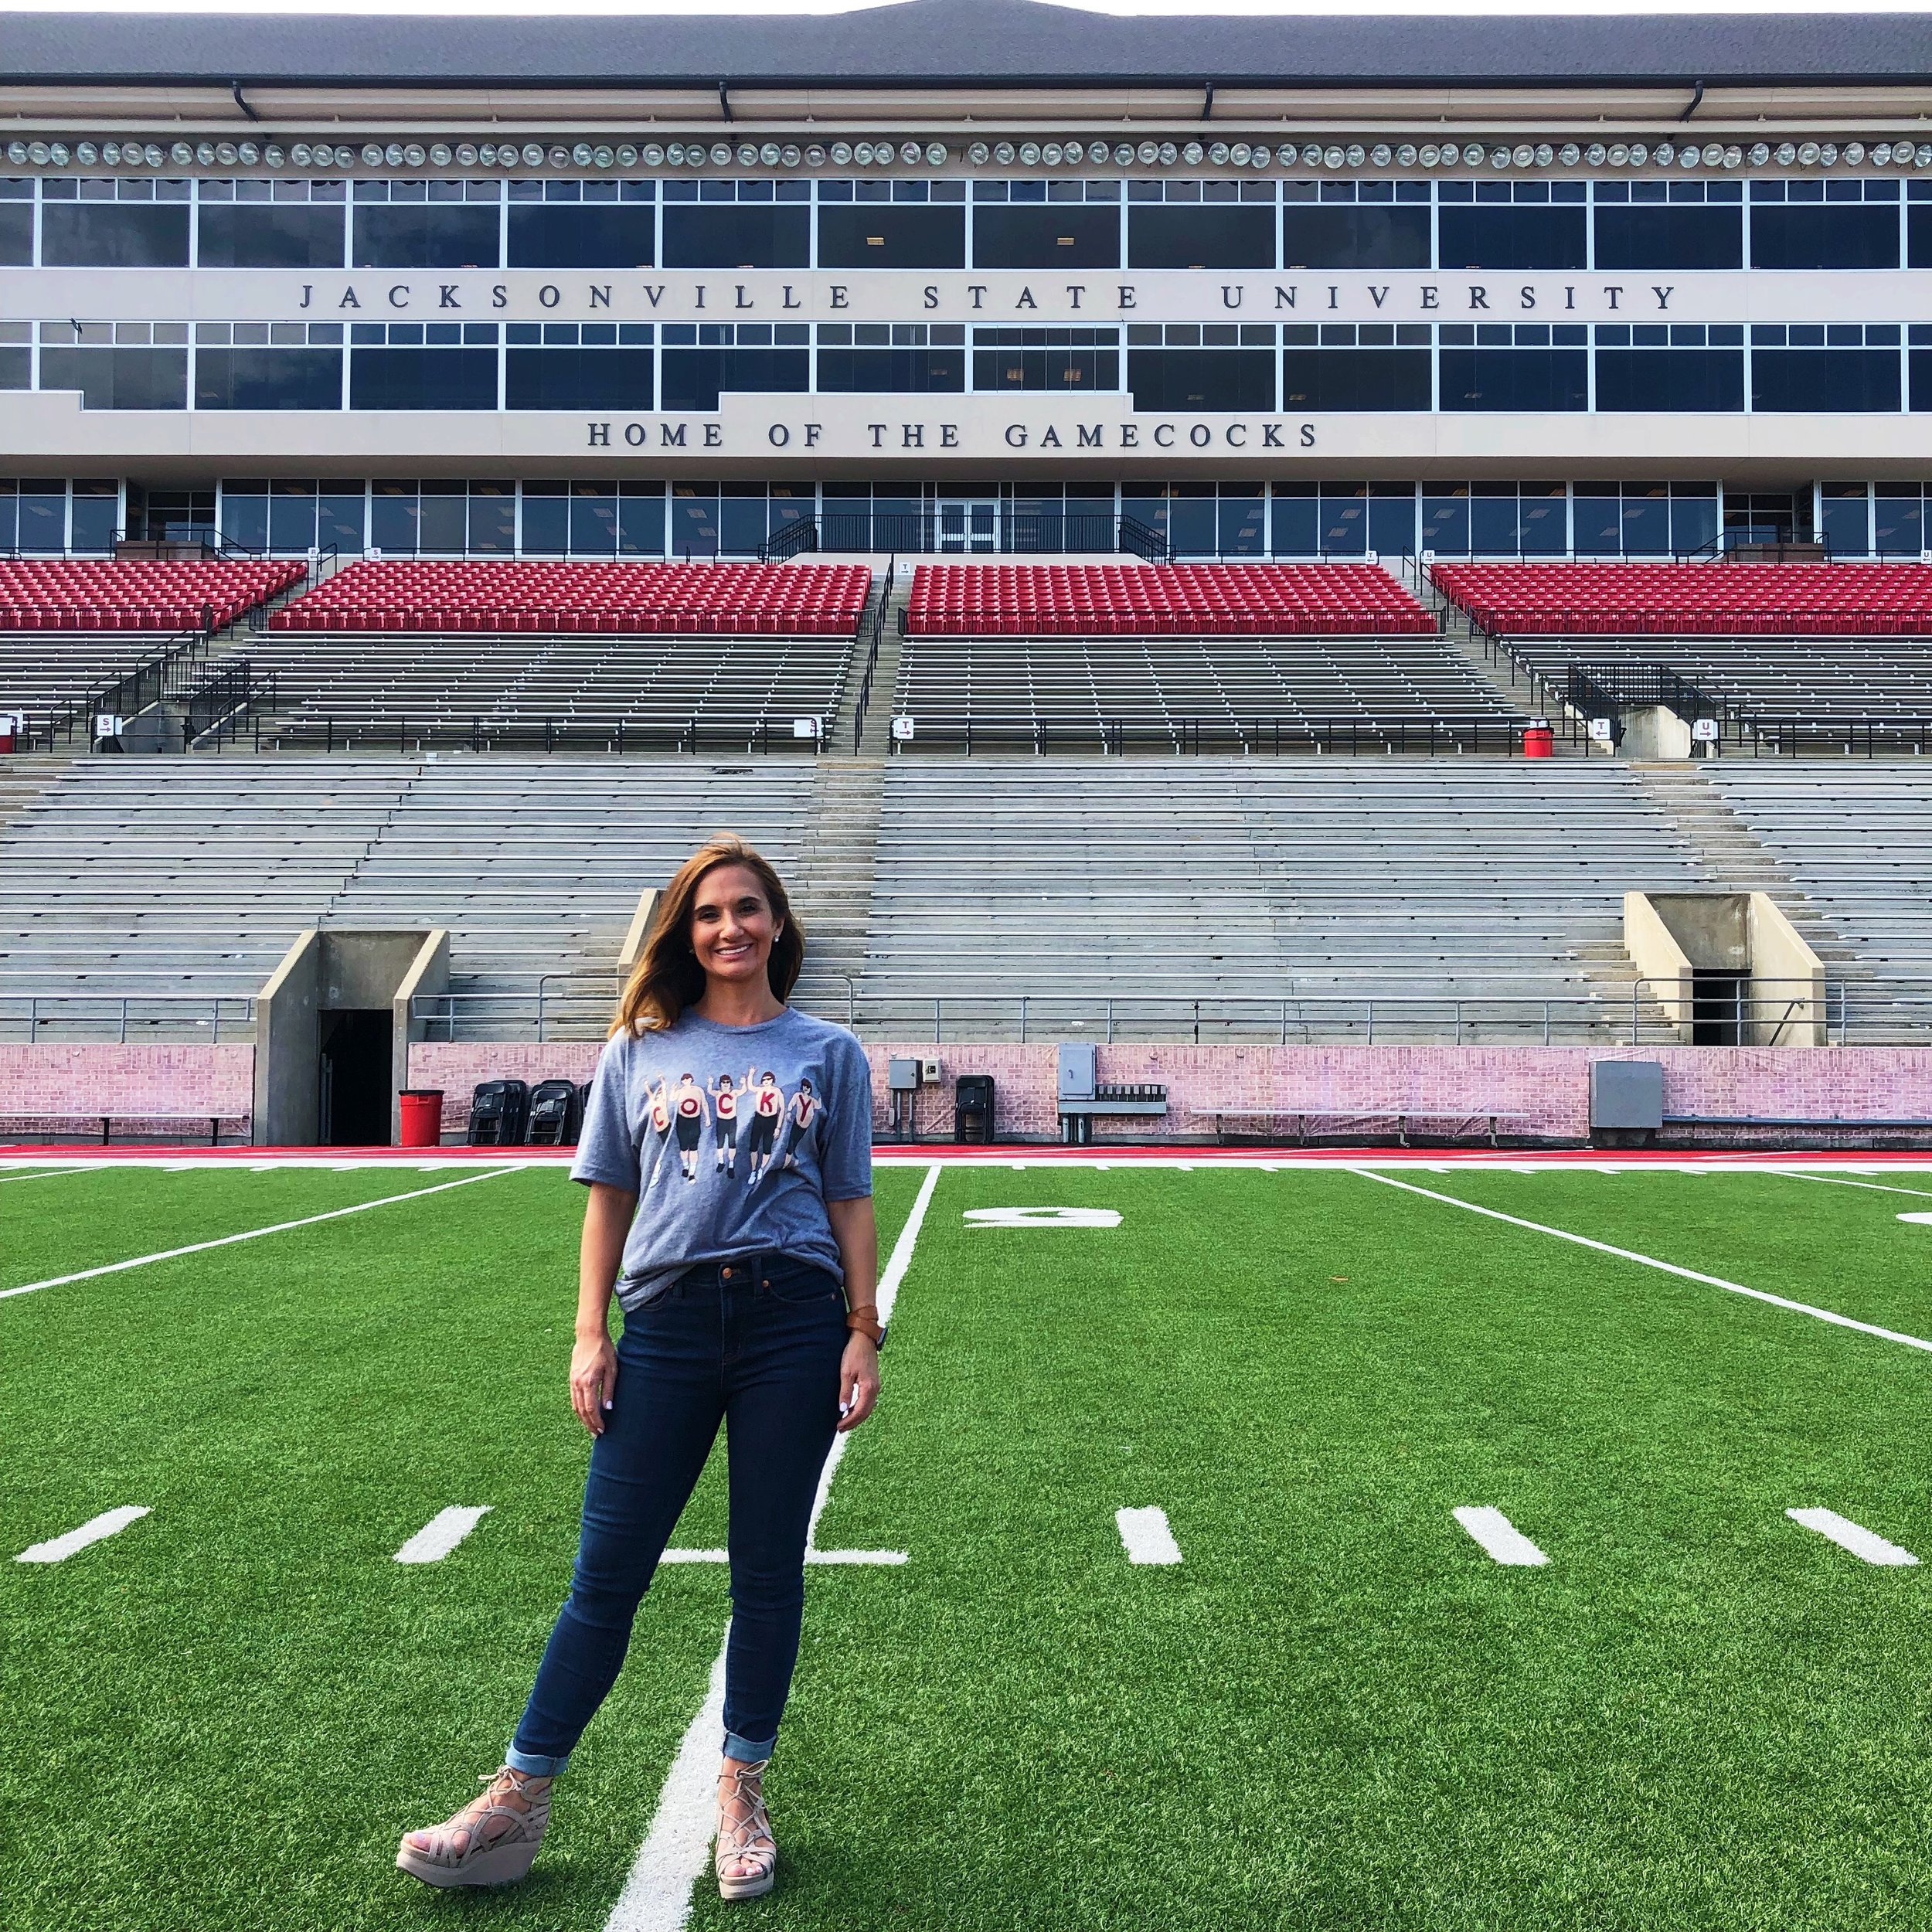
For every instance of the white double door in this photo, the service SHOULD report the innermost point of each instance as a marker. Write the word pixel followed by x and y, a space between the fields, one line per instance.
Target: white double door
pixel 969 524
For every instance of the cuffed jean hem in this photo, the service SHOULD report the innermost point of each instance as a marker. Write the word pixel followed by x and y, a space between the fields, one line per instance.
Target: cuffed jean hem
pixel 745 1750
pixel 531 1764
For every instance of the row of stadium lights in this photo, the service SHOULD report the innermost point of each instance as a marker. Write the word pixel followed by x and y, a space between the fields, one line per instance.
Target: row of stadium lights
pixel 1029 153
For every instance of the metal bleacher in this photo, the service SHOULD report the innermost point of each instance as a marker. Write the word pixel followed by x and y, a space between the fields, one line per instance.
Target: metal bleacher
pixel 1857 839
pixel 583 691
pixel 1177 693
pixel 535 867
pixel 1271 899
pixel 151 898
pixel 174 885
pixel 1821 679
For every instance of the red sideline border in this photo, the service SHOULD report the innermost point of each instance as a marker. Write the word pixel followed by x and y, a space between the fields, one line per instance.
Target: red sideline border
pixel 964 1153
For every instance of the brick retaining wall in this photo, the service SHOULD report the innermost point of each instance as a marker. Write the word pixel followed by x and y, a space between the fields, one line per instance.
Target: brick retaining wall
pixel 142 1085
pixel 1548 1086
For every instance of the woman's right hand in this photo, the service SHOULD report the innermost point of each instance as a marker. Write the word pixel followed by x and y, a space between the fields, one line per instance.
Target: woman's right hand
pixel 593 1380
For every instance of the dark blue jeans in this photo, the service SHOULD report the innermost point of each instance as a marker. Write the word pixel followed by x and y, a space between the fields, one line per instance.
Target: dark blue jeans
pixel 755 1344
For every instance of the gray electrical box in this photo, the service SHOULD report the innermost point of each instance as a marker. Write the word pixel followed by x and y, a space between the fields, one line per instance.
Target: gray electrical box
pixel 1626 1094
pixel 1077 1076
pixel 902 1077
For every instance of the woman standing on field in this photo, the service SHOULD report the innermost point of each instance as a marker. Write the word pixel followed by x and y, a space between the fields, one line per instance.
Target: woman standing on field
pixel 753 1306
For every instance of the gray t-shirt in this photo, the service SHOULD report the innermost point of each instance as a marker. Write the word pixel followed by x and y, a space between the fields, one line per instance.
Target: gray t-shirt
pixel 733 1138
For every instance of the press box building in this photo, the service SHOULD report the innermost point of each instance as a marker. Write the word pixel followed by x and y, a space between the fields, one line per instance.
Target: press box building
pixel 996 277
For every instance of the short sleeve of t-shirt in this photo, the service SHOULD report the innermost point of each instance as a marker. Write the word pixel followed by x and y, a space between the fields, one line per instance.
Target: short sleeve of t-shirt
pixel 605 1150
pixel 846 1163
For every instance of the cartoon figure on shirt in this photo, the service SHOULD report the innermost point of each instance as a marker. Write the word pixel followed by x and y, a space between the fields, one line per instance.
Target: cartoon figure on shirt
pixel 687 1105
pixel 767 1109
pixel 660 1099
pixel 804 1106
pixel 726 1097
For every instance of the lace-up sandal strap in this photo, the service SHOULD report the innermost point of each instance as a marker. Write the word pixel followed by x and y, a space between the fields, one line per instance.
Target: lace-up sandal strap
pixel 747 1840
pixel 491 1853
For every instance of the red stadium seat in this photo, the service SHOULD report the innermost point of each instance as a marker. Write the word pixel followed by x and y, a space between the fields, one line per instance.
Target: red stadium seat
pixel 1183 600
pixel 729 598
pixel 81 594
pixel 1692 600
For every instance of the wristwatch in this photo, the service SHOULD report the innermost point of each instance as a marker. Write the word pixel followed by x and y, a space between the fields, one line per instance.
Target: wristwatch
pixel 866 1321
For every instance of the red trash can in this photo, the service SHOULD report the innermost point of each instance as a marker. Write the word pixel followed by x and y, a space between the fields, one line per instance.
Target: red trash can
pixel 422 1110
pixel 1538 741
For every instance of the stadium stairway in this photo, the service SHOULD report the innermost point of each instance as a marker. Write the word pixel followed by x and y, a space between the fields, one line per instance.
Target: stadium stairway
pixel 1729 849
pixel 1514 689
pixel 837 873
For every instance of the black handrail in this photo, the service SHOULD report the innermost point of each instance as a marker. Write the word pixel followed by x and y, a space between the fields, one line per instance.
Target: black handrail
pixel 964 730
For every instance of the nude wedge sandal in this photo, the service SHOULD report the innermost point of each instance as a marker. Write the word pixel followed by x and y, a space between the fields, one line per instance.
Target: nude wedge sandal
pixel 492 1854
pixel 748 1841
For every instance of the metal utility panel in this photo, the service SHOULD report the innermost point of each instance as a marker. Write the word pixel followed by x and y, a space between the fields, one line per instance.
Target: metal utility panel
pixel 1077 1075
pixel 902 1077
pixel 1625 1093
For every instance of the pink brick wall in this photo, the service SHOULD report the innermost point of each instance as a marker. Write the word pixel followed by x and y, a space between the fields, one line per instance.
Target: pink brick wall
pixel 1548 1086
pixel 457 1066
pixel 145 1084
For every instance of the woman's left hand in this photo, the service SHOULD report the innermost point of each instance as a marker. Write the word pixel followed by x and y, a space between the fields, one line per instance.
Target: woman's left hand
pixel 857 1382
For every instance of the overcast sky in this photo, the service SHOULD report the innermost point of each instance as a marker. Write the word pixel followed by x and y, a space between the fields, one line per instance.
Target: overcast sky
pixel 392 7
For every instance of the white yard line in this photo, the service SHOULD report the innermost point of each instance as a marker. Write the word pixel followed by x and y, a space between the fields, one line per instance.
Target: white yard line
pixel 1847 1535
pixel 657 1894
pixel 45 1174
pixel 1877 1187
pixel 1500 1537
pixel 1146 1537
pixel 1651 1261
pixel 109 1522
pixel 250 1234
pixel 441 1534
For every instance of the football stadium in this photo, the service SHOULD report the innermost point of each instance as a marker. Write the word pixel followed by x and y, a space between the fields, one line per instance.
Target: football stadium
pixel 1328 621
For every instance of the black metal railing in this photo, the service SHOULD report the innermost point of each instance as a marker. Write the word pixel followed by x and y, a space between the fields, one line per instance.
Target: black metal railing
pixel 213 542
pixel 616 737
pixel 215 709
pixel 799 535
pixel 1756 537
pixel 874 636
pixel 968 732
pixel 1889 737
pixel 1608 690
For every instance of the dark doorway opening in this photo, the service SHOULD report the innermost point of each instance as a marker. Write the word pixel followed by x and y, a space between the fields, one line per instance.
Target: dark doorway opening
pixel 354 1095
pixel 1718 1007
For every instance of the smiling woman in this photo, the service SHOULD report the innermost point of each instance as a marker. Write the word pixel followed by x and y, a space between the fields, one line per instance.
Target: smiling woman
pixel 749 1299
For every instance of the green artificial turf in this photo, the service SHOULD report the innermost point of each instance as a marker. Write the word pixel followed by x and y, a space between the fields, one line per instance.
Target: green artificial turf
pixel 1336 1712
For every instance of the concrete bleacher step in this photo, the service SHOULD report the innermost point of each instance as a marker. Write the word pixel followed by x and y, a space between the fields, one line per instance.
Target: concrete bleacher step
pixel 1731 856
pixel 24 776
pixel 837 873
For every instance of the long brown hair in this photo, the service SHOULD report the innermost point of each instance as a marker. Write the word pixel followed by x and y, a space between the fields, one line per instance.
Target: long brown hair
pixel 667 978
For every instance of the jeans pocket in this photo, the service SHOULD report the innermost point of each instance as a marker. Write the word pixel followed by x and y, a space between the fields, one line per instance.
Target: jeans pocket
pixel 799 1285
pixel 635 1297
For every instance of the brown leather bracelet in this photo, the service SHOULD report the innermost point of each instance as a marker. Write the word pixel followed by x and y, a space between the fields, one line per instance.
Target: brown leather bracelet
pixel 866 1321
